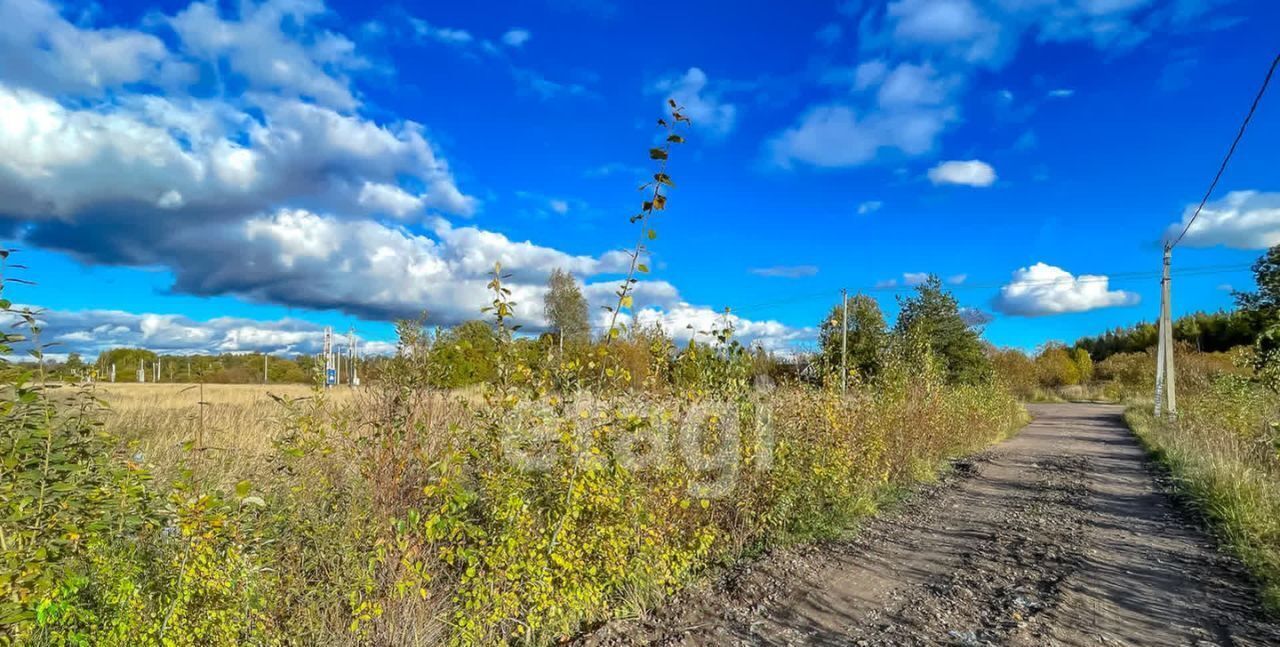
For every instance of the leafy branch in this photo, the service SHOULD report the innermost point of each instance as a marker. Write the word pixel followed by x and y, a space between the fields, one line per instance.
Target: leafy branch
pixel 657 202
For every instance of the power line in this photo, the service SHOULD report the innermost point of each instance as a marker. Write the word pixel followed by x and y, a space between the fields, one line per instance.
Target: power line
pixel 1223 167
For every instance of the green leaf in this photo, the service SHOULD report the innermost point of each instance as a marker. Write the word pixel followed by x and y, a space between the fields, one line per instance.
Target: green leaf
pixel 659 202
pixel 657 154
pixel 653 234
pixel 643 268
pixel 663 178
pixel 675 139
pixel 627 301
pixel 242 489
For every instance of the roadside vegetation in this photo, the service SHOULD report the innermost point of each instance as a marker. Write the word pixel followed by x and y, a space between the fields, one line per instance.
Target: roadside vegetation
pixel 483 487
pixel 1223 447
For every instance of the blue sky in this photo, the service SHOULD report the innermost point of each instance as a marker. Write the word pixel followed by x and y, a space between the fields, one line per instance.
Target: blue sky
pixel 232 176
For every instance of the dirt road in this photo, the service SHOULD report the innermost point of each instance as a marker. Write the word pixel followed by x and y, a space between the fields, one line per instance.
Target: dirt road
pixel 1062 535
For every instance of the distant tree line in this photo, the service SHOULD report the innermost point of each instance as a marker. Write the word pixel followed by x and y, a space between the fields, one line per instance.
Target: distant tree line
pixel 1205 331
pixel 226 368
pixel 1255 321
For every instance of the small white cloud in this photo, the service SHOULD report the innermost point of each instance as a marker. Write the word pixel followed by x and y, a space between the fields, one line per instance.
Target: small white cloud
pixel 516 37
pixel 968 173
pixel 703 105
pixel 901 108
pixel 1046 290
pixel 558 206
pixel 1226 287
pixel 170 200
pixel 446 35
pixel 957 26
pixel 1061 93
pixel 886 284
pixel 834 135
pixel 870 206
pixel 957 279
pixel 910 86
pixel 1242 219
pixel 914 278
pixel 786 271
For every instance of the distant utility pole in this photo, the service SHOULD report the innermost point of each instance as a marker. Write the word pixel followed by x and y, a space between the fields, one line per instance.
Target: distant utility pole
pixel 264 367
pixel 844 344
pixel 352 378
pixel 113 372
pixel 1164 351
pixel 1166 386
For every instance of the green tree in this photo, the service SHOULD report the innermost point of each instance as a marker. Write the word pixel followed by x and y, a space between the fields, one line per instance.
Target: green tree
pixel 1262 307
pixel 127 361
pixel 1084 364
pixel 933 314
pixel 1056 366
pixel 867 335
pixel 566 308
pixel 465 354
pixel 1266 273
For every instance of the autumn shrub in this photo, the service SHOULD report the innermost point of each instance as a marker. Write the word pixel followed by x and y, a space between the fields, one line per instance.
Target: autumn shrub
pixel 1224 450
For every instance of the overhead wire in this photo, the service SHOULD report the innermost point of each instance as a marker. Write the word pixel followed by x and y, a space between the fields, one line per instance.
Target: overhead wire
pixel 1230 151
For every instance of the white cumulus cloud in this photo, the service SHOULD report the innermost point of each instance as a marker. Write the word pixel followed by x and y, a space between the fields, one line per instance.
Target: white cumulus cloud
pixel 835 135
pixel 968 173
pixel 516 37
pixel 1043 289
pixel 1241 219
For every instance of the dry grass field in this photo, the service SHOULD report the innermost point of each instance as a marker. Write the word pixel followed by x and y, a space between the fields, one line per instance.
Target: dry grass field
pixel 234 424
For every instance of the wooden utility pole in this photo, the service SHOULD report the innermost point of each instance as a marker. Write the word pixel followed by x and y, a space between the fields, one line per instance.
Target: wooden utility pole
pixel 844 344
pixel 1166 382
pixel 264 368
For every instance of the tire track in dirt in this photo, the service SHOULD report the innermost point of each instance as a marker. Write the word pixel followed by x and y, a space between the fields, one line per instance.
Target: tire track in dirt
pixel 1063 535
